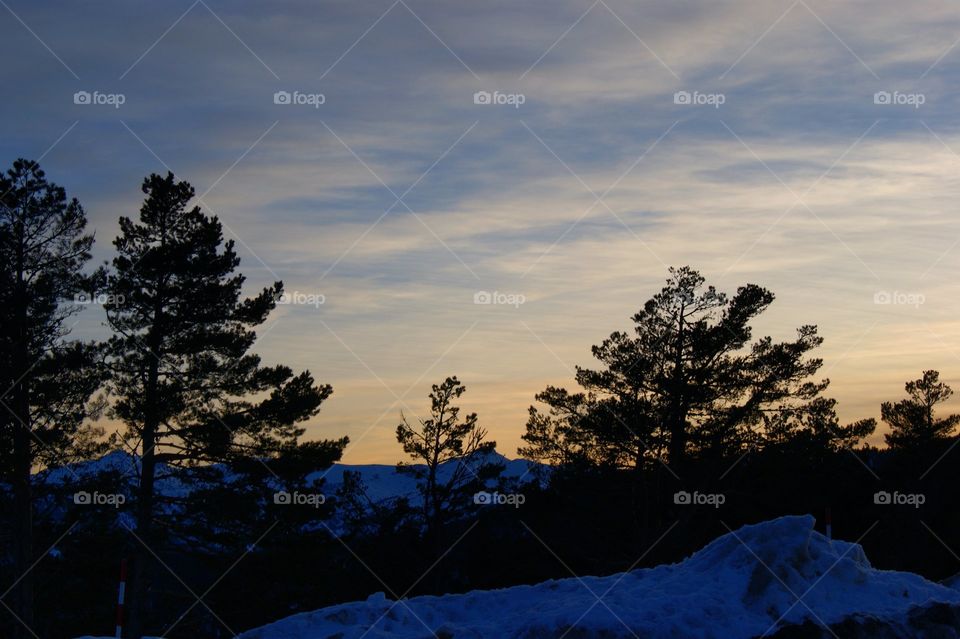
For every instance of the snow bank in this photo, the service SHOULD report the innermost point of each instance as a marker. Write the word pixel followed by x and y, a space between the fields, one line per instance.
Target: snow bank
pixel 743 584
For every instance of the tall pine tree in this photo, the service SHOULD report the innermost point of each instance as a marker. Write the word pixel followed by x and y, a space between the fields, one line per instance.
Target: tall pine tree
pixel 186 385
pixel 47 382
pixel 688 380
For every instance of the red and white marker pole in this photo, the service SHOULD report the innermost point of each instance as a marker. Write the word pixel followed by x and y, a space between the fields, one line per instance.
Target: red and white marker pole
pixel 829 524
pixel 120 593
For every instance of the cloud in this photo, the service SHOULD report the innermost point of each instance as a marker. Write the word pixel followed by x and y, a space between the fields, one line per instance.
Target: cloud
pixel 577 199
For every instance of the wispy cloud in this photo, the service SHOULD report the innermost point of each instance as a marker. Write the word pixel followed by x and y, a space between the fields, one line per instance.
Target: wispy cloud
pixel 793 171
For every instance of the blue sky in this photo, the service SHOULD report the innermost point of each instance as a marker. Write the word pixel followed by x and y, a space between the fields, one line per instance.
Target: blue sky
pixel 399 198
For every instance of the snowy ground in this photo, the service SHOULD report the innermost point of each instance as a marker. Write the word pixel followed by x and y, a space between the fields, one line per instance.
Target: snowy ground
pixel 742 585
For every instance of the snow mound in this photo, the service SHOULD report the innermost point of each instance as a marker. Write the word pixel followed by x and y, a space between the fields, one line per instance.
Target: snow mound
pixel 744 584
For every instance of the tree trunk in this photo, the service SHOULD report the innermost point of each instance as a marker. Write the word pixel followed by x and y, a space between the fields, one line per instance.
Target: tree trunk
pixel 678 422
pixel 23 453
pixel 140 584
pixel 23 501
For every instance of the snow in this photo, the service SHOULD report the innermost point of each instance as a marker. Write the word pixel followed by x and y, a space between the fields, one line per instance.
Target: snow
pixel 382 481
pixel 743 584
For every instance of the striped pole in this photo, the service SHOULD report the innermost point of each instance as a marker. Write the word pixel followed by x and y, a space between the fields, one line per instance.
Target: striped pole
pixel 829 523
pixel 120 593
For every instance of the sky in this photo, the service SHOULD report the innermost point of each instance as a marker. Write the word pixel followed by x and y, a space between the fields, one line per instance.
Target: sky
pixel 394 162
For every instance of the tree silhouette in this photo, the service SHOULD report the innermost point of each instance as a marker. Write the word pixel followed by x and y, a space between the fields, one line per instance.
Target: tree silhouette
pixel 451 455
pixel 183 377
pixel 912 421
pixel 47 382
pixel 688 380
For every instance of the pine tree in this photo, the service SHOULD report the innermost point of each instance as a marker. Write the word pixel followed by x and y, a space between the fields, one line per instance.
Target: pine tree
pixel 815 427
pixel 912 421
pixel 47 382
pixel 444 440
pixel 688 380
pixel 186 386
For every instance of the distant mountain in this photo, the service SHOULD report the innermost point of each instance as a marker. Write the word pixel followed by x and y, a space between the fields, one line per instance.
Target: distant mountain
pixel 382 481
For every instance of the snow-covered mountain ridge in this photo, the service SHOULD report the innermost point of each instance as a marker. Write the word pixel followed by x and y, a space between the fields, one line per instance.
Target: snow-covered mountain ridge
pixel 381 481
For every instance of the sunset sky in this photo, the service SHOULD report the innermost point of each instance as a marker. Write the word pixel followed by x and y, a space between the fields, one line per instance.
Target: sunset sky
pixel 818 157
